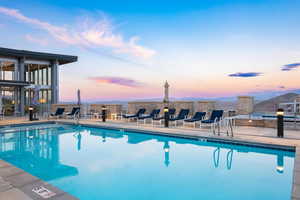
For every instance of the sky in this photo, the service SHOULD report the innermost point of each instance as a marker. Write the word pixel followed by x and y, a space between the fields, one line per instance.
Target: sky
pixel 127 49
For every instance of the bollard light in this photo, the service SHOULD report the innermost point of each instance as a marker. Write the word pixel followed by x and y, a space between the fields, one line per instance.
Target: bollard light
pixel 30 113
pixel 166 116
pixel 280 112
pixel 103 113
pixel 280 122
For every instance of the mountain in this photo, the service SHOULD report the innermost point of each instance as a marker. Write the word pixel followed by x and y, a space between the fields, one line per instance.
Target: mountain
pixel 271 105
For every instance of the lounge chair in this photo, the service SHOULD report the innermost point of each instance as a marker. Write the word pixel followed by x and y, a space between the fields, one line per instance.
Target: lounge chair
pixel 153 114
pixel 215 118
pixel 172 112
pixel 58 113
pixel 182 115
pixel 75 111
pixel 140 112
pixel 198 117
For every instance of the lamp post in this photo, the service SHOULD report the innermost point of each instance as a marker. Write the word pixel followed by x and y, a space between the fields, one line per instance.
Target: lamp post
pixel 280 122
pixel 167 117
pixel 103 113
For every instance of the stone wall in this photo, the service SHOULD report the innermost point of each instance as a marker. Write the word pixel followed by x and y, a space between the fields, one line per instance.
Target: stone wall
pixel 111 108
pixel 257 123
pixel 245 105
pixel 205 106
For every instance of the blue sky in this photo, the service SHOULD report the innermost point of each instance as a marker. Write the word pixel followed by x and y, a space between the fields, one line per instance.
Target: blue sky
pixel 127 49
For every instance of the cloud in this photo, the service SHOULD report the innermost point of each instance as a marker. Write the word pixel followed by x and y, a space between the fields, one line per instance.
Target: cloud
pixel 281 87
pixel 245 75
pixel 40 41
pixel 117 81
pixel 290 67
pixel 93 34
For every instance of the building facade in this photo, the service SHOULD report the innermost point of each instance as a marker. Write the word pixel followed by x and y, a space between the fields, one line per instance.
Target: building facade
pixel 24 73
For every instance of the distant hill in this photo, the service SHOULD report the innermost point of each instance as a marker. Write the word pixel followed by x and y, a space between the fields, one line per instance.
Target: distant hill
pixel 271 105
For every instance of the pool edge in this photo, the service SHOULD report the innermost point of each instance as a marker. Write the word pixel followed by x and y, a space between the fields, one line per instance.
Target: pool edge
pixel 295 193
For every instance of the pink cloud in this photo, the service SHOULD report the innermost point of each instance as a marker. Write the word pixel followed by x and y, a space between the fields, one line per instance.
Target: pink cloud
pixel 116 81
pixel 39 41
pixel 89 34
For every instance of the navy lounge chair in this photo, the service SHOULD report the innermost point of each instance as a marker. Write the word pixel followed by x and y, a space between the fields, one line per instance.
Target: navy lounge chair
pixel 172 112
pixel 215 118
pixel 75 111
pixel 59 112
pixel 182 115
pixel 140 112
pixel 198 116
pixel 153 114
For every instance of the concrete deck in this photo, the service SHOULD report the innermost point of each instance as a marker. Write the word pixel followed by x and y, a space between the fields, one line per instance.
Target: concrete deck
pixel 17 184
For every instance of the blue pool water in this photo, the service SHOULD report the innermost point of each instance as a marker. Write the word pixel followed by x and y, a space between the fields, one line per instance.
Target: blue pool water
pixel 93 163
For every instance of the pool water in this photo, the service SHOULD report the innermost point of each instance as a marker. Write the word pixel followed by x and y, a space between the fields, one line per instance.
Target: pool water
pixel 94 163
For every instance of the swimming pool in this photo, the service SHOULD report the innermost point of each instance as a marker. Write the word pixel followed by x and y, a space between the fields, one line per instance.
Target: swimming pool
pixel 93 163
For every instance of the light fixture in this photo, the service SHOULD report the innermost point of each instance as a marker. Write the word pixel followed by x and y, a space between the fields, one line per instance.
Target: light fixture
pixel 280 112
pixel 166 109
pixel 42 100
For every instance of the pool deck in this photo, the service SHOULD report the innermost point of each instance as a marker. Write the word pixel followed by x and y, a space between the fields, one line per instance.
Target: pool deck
pixel 17 184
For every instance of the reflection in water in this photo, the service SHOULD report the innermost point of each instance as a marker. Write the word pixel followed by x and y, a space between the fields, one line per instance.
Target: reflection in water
pixel 167 153
pixel 105 134
pixel 78 136
pixel 139 138
pixel 36 150
pixel 216 157
pixel 229 159
pixel 280 163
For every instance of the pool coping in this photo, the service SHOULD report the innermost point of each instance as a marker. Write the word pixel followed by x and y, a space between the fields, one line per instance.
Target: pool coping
pixel 33 181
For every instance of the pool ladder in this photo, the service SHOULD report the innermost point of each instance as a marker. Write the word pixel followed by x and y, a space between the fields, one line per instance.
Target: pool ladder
pixel 77 117
pixel 229 123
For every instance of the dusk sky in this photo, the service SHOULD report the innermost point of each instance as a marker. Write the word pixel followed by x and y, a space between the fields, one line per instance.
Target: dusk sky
pixel 127 49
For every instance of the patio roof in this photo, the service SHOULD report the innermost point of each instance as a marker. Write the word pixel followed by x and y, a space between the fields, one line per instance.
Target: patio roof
pixel 62 59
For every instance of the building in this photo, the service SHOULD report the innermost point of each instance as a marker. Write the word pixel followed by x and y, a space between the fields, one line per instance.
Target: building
pixel 23 71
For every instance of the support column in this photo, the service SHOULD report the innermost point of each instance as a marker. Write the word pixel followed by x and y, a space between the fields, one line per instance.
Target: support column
pixel 21 76
pixel 245 105
pixel 54 83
